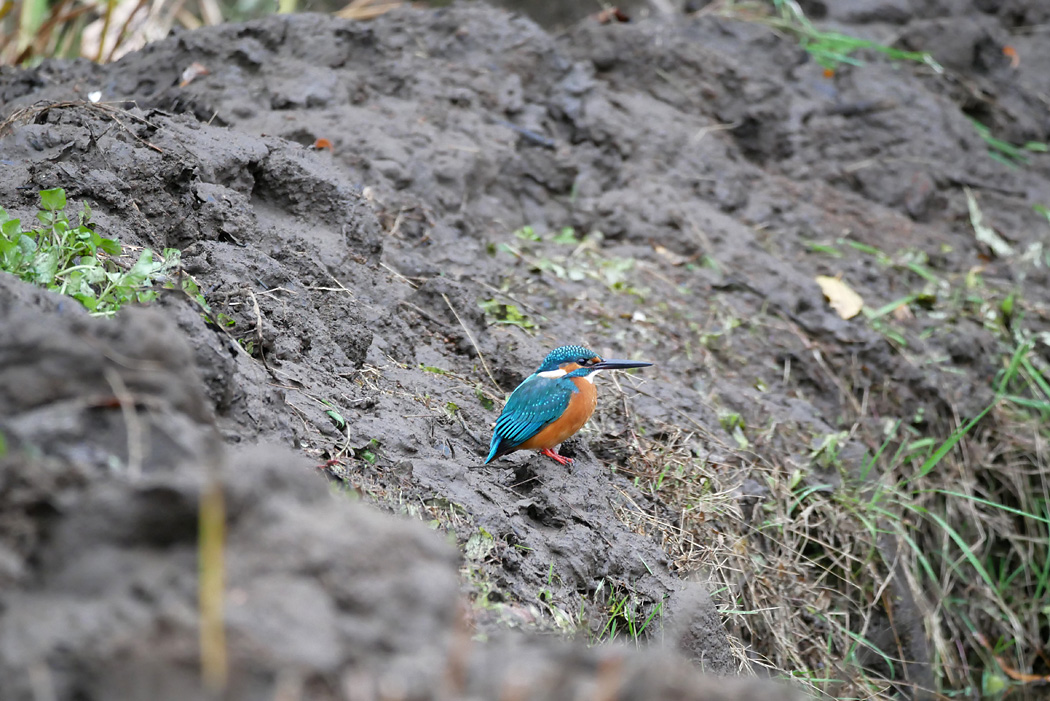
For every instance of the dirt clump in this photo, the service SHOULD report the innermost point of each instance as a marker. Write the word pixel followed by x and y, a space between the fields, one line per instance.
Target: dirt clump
pixel 99 549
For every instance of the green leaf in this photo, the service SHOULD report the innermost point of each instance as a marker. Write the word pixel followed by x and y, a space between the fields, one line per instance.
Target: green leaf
pixel 172 258
pixel 479 545
pixel 27 244
pixel 498 313
pixel 8 250
pixel 142 269
pixel 566 235
pixel 487 403
pixel 11 254
pixel 336 418
pixel 11 228
pixel 53 200
pixel 1007 306
pixel 45 265
pixel 110 246
pixel 527 233
pixel 75 284
pixel 93 271
pixel 90 237
pixel 190 288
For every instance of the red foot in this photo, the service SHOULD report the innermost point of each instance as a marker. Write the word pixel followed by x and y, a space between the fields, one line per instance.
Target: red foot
pixel 560 459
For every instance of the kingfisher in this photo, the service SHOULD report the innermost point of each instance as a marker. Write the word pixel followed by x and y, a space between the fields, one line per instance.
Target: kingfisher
pixel 552 403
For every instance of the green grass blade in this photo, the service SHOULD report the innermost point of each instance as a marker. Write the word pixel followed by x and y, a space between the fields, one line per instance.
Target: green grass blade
pixel 29 21
pixel 986 502
pixel 1037 377
pixel 965 547
pixel 938 455
pixel 1019 356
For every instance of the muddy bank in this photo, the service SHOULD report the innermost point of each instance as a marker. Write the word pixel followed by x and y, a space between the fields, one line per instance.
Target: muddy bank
pixel 706 169
pixel 325 598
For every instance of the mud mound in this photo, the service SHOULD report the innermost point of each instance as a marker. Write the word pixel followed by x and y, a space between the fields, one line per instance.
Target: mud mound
pixel 352 200
pixel 325 598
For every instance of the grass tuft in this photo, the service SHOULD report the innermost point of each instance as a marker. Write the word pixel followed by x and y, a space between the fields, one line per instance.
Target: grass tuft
pixel 829 49
pixel 926 568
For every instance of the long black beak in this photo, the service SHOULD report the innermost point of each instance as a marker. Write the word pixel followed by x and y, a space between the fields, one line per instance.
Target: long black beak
pixel 613 364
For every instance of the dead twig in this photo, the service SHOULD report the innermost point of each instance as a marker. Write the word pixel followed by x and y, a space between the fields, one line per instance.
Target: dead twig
pixel 132 424
pixel 472 341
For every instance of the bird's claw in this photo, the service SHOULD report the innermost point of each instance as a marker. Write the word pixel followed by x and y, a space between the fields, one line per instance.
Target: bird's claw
pixel 560 459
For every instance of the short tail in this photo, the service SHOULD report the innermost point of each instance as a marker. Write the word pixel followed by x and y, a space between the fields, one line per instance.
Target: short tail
pixel 497 449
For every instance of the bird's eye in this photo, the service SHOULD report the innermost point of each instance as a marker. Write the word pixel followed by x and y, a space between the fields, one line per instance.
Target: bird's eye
pixel 582 361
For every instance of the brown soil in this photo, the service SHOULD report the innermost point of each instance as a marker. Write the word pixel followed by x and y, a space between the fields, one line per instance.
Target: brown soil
pixel 703 163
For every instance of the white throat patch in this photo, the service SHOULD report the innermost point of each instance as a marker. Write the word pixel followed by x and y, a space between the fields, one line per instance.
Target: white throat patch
pixel 590 377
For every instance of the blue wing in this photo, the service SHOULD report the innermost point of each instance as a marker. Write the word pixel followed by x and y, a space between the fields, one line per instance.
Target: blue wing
pixel 535 403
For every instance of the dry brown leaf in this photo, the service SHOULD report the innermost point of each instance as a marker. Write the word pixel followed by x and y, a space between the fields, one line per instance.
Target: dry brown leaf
pixel 842 298
pixel 669 255
pixel 192 72
pixel 1011 53
pixel 611 14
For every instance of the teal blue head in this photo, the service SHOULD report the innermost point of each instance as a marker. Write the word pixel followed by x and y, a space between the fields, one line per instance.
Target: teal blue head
pixel 580 362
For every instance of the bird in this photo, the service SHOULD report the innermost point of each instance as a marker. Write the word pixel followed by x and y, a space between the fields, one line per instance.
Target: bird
pixel 553 403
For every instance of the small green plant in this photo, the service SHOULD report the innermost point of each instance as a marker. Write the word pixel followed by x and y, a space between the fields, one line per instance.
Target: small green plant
pixel 190 287
pixel 486 402
pixel 527 233
pixel 1005 152
pixel 1042 209
pixel 333 414
pixel 826 454
pixel 829 49
pixel 626 614
pixel 75 260
pixel 497 312
pixel 547 595
pixel 368 453
pixel 733 423
pixel 479 546
pixel 566 236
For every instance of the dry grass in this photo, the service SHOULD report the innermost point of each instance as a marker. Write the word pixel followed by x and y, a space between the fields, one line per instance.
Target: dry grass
pixel 922 573
pixel 99 31
pixel 368 9
pixel 105 30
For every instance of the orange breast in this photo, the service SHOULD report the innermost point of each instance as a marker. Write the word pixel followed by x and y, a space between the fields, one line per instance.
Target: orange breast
pixel 580 408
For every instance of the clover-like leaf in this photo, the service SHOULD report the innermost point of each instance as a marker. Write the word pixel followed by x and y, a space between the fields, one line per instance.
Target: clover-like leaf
pixel 53 200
